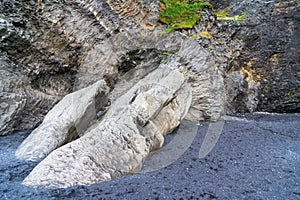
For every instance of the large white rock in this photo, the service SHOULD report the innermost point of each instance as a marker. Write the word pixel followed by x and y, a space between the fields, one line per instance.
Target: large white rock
pixel 118 145
pixel 66 121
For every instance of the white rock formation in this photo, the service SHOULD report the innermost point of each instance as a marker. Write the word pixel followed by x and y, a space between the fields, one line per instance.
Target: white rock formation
pixel 118 145
pixel 66 121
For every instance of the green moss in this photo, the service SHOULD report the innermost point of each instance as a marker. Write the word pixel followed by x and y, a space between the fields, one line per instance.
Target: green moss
pixel 62 78
pixel 180 14
pixel 223 15
pixel 165 53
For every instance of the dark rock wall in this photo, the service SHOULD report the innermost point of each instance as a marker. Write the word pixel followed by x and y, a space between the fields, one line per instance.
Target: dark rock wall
pixel 269 56
pixel 40 52
pixel 36 65
pixel 278 56
pixel 260 56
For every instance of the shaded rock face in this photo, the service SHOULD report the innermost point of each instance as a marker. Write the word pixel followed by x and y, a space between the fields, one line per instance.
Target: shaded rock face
pixel 21 107
pixel 262 73
pixel 271 55
pixel 36 65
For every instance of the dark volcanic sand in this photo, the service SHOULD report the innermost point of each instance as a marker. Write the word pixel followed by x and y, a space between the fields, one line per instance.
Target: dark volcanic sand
pixel 256 157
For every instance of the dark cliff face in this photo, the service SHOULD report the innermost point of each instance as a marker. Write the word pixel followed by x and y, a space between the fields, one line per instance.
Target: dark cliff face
pixel 34 58
pixel 260 57
pixel 277 46
pixel 41 53
pixel 270 54
pixel 50 48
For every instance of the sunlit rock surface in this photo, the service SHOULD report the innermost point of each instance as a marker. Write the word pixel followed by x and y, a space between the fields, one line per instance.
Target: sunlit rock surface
pixel 65 122
pixel 119 144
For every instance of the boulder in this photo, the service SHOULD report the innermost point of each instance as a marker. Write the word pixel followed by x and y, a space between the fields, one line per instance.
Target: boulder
pixel 119 144
pixel 66 121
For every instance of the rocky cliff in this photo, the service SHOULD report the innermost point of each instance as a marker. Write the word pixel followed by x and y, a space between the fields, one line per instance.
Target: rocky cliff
pixel 130 82
pixel 51 48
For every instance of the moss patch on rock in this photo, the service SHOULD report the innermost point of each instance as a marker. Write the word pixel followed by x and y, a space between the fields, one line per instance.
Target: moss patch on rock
pixel 223 15
pixel 180 14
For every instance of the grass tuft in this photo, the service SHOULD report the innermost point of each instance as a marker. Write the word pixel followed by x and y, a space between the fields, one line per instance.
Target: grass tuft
pixel 181 14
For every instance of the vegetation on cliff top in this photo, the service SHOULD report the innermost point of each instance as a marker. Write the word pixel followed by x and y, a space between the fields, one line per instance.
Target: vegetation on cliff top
pixel 223 15
pixel 179 14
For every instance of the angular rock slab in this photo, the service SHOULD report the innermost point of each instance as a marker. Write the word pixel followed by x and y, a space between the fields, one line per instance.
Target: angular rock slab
pixel 66 121
pixel 119 144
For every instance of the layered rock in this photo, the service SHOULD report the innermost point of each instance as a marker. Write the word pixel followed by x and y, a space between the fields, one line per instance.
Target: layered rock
pixel 36 64
pixel 61 46
pixel 205 79
pixel 119 144
pixel 56 47
pixel 21 107
pixel 66 121
pixel 153 104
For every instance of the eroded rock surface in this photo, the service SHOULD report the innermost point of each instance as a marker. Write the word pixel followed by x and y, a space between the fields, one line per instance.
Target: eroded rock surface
pixel 119 144
pixel 37 65
pixel 65 122
pixel 206 82
pixel 56 47
pixel 21 106
pixel 51 48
